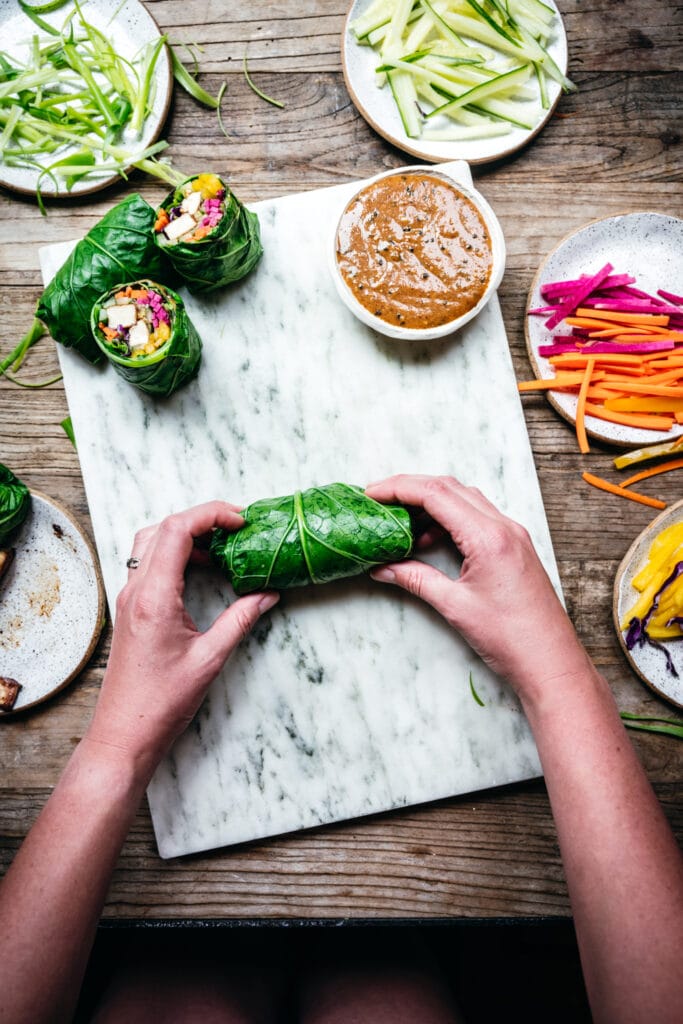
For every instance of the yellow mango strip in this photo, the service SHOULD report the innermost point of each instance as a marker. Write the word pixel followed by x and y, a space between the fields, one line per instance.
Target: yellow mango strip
pixel 645 403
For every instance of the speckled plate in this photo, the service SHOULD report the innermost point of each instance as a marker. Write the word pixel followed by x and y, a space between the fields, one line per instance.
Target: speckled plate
pixel 647 661
pixel 51 604
pixel 378 108
pixel 129 26
pixel 649 247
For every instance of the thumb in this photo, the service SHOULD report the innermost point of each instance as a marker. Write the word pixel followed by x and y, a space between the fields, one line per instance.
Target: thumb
pixel 237 621
pixel 422 580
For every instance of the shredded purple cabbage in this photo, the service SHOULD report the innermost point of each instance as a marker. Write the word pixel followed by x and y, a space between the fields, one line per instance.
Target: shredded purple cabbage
pixel 637 634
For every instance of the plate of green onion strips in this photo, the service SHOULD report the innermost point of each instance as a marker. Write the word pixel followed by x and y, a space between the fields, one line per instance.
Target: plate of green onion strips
pixel 445 80
pixel 85 88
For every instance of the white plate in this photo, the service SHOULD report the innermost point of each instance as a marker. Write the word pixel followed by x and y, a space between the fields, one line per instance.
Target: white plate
pixel 647 661
pixel 51 604
pixel 132 28
pixel 649 247
pixel 378 108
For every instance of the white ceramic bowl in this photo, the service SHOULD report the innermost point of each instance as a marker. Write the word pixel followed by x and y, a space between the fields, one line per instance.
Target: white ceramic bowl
pixel 425 333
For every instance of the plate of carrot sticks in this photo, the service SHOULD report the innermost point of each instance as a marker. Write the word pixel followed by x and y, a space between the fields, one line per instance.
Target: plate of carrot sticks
pixel 604 330
pixel 648 604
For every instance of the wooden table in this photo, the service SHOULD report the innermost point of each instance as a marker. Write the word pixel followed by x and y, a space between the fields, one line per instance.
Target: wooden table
pixel 614 146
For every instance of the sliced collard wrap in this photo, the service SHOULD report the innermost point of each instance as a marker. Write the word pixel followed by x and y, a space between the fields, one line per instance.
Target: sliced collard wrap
pixel 120 247
pixel 313 536
pixel 143 329
pixel 207 234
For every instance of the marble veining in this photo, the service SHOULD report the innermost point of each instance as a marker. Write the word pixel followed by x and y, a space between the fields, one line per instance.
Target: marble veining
pixel 351 698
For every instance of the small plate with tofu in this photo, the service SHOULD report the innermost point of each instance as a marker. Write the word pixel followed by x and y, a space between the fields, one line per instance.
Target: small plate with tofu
pixel 51 606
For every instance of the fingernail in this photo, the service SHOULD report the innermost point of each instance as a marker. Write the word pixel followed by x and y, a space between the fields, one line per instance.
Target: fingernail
pixel 384 575
pixel 267 601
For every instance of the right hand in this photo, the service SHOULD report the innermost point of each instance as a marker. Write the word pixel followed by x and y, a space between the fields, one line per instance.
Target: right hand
pixel 503 603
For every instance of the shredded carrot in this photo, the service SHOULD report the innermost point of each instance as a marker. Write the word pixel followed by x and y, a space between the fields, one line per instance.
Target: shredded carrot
pixel 581 436
pixel 138 293
pixel 605 485
pixel 108 332
pixel 664 467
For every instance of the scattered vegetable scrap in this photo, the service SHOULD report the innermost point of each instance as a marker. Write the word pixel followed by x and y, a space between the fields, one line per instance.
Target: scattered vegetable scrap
pixel 657 614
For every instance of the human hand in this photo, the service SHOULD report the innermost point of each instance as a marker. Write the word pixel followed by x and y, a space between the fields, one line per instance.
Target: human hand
pixel 160 664
pixel 503 602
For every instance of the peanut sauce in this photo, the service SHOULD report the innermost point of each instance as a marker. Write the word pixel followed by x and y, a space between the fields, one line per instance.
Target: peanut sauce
pixel 414 250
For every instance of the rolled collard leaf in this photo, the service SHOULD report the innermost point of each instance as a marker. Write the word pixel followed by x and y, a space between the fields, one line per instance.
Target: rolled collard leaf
pixel 144 331
pixel 313 536
pixel 15 502
pixel 119 247
pixel 207 234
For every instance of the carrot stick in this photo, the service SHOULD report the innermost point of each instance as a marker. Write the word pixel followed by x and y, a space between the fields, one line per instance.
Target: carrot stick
pixel 661 319
pixel 551 383
pixel 622 358
pixel 664 467
pixel 581 437
pixel 605 485
pixel 642 421
pixel 644 388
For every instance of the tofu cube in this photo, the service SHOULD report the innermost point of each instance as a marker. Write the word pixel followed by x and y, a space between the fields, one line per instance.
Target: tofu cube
pixel 121 316
pixel 191 203
pixel 139 335
pixel 180 226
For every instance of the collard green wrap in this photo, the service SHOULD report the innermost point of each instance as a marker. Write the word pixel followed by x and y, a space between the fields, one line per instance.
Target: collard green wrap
pixel 120 247
pixel 15 502
pixel 313 536
pixel 171 366
pixel 226 255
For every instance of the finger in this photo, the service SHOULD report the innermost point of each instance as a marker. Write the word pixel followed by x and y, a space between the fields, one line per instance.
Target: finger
pixel 235 623
pixel 141 542
pixel 174 540
pixel 463 511
pixel 422 580
pixel 430 536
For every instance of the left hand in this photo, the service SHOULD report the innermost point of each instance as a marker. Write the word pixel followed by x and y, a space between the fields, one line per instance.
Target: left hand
pixel 160 664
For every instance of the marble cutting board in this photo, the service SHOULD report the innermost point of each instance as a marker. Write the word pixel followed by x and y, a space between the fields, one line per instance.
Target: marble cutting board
pixel 352 698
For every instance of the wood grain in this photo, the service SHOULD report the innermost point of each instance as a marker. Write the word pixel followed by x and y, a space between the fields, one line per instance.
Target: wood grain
pixel 613 146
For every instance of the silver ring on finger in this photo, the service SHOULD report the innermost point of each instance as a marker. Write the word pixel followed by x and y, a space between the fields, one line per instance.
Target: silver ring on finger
pixel 132 563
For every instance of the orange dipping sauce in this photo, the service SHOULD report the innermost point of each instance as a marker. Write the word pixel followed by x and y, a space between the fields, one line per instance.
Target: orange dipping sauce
pixel 414 250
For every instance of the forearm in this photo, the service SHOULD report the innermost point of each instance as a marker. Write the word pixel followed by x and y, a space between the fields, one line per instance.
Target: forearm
pixel 623 868
pixel 52 895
